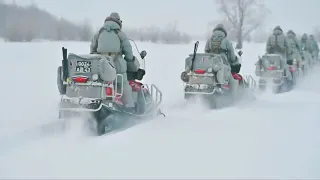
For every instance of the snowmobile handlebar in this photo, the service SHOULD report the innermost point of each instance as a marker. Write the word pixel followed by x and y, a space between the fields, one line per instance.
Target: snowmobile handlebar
pixel 142 54
pixel 195 49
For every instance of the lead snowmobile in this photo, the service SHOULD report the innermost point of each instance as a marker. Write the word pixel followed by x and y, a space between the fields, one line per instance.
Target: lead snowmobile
pixel 89 83
pixel 201 79
pixel 271 71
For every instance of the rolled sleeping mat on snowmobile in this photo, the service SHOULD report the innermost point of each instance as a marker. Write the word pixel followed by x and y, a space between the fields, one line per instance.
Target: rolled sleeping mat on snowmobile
pixel 184 77
pixel 107 68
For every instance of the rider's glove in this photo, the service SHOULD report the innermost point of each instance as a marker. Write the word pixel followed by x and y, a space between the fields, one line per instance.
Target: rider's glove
pixel 140 74
pixel 235 68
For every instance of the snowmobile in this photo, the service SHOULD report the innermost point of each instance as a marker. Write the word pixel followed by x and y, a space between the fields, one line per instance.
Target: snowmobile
pixel 89 83
pixel 270 69
pixel 201 79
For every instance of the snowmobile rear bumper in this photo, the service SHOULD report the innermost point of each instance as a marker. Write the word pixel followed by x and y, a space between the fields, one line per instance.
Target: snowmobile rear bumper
pixel 80 104
pixel 275 81
pixel 200 89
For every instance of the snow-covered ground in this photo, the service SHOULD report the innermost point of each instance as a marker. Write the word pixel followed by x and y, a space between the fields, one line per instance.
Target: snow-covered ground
pixel 276 136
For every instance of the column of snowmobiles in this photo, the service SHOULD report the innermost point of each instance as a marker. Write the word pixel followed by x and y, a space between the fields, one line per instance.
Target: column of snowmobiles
pixel 286 60
pixel 107 85
pixel 214 75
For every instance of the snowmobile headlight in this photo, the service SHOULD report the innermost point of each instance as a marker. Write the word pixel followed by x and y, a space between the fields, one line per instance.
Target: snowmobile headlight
pixel 210 70
pixel 95 77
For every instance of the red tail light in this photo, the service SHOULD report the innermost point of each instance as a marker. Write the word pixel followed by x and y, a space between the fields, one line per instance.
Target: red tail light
pixel 271 68
pixel 108 91
pixel 80 79
pixel 199 71
pixel 291 69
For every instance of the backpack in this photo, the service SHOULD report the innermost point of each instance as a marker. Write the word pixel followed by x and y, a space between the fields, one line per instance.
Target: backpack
pixel 216 44
pixel 278 43
pixel 100 31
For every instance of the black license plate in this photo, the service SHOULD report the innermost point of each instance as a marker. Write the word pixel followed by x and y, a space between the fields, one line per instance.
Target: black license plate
pixel 83 66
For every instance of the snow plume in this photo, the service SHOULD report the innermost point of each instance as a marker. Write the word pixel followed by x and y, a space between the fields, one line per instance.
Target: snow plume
pixel 276 136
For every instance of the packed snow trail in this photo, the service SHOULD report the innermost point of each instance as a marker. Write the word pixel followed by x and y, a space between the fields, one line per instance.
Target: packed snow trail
pixel 276 136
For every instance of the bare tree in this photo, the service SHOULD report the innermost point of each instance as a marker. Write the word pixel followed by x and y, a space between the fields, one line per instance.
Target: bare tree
pixel 244 16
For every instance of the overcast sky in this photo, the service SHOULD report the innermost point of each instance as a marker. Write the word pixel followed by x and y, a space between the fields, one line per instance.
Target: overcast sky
pixel 192 15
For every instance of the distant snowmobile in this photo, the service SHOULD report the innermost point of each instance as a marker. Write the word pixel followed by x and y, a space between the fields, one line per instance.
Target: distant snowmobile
pixel 201 79
pixel 271 71
pixel 89 83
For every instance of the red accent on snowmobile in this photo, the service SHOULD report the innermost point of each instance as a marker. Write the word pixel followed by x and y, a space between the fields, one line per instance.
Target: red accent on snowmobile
pixel 118 100
pixel 271 68
pixel 237 76
pixel 80 79
pixel 225 86
pixel 199 71
pixel 136 86
pixel 108 91
pixel 291 69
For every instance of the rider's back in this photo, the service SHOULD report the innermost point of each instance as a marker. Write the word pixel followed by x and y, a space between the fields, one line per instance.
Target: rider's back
pixel 292 41
pixel 219 44
pixel 277 42
pixel 109 39
pixel 306 45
